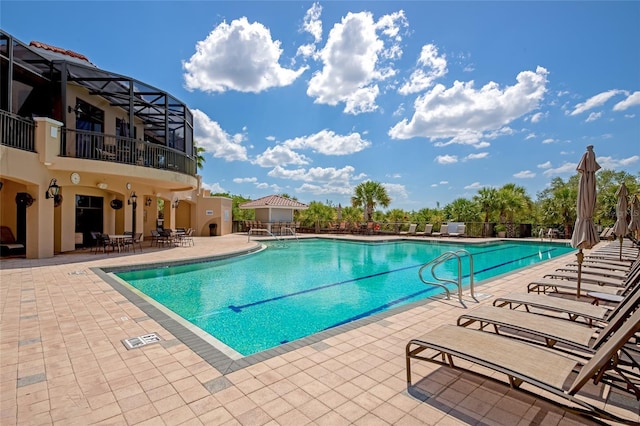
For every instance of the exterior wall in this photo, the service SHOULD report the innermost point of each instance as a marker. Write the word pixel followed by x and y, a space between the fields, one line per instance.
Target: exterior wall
pixel 213 210
pixel 52 230
pixel 281 215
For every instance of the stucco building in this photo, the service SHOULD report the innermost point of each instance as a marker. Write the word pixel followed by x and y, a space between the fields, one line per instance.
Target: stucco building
pixel 87 150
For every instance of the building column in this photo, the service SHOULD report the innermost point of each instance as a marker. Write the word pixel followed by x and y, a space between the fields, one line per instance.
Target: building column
pixel 40 224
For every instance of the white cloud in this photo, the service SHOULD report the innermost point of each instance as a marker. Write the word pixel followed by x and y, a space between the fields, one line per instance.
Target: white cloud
pixel 280 155
pixel 431 66
pixel 612 163
pixel 632 100
pixel 546 165
pixel 525 174
pixel 530 136
pixel 209 135
pixel 353 61
pixel 215 188
pixel 463 113
pixel 444 182
pixel 481 145
pixel 537 117
pixel 595 101
pixel 245 180
pixel 328 143
pixel 396 191
pixel 446 159
pixel 548 140
pixel 318 180
pixel 238 56
pixel 312 23
pixel 593 116
pixel 563 169
pixel 474 185
pixel 477 156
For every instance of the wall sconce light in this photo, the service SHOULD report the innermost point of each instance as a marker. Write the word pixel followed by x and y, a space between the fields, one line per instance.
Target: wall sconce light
pixel 77 110
pixel 133 199
pixel 148 201
pixel 175 203
pixel 53 190
pixel 102 185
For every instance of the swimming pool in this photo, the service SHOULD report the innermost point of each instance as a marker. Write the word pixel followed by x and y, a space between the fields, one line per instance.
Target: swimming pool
pixel 286 292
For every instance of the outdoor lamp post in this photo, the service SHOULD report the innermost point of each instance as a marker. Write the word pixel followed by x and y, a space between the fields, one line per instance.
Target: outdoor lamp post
pixel 133 200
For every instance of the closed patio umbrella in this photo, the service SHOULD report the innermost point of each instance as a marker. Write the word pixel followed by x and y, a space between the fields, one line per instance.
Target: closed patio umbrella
pixel 584 232
pixel 634 225
pixel 620 227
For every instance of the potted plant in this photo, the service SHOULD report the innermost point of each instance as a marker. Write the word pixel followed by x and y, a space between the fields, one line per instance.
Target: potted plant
pixel 501 230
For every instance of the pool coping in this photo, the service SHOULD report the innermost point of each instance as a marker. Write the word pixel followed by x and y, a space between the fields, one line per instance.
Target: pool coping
pixel 216 357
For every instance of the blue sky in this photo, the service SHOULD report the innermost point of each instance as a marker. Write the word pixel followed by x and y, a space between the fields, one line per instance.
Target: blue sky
pixel 432 99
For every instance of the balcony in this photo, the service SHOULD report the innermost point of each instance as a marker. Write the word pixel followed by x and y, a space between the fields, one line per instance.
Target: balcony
pixel 17 132
pixel 123 150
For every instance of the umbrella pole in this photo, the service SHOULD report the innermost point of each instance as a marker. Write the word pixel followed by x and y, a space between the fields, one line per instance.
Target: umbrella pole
pixel 580 257
pixel 620 248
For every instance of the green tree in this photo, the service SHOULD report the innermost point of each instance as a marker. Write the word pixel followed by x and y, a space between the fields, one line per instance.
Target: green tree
pixel 200 160
pixel 368 195
pixel 558 203
pixel 462 210
pixel 317 215
pixel 487 200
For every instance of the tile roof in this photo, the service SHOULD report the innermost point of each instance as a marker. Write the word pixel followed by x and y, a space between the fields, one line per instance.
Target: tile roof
pixel 60 51
pixel 273 201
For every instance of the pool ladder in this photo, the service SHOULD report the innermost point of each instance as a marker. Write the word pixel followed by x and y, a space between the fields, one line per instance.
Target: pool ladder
pixel 266 231
pixel 441 282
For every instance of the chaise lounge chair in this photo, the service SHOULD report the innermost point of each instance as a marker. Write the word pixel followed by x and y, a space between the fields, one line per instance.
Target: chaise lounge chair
pixel 523 362
pixel 428 230
pixel 540 328
pixel 543 285
pixel 411 231
pixel 8 244
pixel 444 231
pixel 460 231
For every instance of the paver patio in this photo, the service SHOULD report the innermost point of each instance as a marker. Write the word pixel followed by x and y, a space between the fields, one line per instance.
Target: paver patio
pixel 62 360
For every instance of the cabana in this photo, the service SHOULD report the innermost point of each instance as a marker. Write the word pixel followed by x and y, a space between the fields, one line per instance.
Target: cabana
pixel 274 212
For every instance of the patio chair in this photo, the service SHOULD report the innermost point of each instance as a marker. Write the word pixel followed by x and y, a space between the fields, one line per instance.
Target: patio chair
pixel 444 231
pixel 460 231
pixel 135 239
pixel 543 285
pixel 523 362
pixel 428 230
pixel 411 230
pixel 540 328
pixel 8 244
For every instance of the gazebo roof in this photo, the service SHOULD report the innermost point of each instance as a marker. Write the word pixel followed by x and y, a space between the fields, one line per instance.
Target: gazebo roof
pixel 274 201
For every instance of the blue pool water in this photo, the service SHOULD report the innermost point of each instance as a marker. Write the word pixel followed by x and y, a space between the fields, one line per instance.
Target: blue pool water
pixel 255 302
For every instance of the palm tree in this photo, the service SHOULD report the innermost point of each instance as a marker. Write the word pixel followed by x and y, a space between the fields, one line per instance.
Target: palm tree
pixel 369 194
pixel 200 160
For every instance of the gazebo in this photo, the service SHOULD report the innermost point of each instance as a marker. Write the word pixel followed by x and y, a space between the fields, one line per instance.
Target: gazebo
pixel 274 209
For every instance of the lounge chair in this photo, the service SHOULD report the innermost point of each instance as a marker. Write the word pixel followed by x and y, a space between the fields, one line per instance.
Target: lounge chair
pixel 8 244
pixel 606 232
pixel 543 285
pixel 428 230
pixel 444 231
pixel 547 329
pixel 460 231
pixel 523 362
pixel 411 231
pixel 574 309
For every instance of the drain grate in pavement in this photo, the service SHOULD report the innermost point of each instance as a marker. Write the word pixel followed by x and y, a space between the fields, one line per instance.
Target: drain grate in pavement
pixel 139 341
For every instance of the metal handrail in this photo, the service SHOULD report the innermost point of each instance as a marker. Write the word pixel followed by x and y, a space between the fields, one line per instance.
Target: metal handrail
pixel 440 260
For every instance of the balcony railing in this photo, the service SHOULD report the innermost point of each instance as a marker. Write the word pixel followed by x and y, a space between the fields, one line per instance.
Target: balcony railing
pixel 17 132
pixel 119 149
